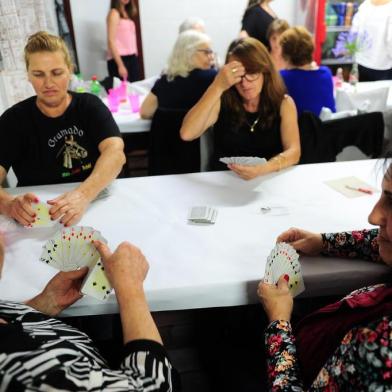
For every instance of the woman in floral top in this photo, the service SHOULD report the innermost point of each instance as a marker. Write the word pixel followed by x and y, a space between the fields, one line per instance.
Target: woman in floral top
pixel 345 346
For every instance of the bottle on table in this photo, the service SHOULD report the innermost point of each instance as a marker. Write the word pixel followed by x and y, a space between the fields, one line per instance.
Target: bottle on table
pixel 80 88
pixel 339 78
pixel 354 74
pixel 95 86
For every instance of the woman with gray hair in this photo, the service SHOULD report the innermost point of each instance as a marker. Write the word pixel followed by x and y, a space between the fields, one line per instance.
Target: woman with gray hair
pixel 187 76
pixel 192 23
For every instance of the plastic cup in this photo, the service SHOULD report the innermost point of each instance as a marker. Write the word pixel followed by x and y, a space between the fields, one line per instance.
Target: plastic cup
pixel 114 102
pixel 135 102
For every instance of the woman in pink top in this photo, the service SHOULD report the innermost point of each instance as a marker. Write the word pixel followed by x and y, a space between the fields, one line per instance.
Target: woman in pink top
pixel 122 53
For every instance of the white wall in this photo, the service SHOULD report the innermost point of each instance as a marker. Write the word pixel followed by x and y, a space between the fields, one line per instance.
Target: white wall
pixel 159 23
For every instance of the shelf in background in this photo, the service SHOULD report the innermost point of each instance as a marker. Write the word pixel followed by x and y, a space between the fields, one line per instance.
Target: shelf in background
pixel 337 29
pixel 336 61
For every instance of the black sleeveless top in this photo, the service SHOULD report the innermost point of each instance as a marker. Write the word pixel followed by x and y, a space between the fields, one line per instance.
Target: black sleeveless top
pixel 231 139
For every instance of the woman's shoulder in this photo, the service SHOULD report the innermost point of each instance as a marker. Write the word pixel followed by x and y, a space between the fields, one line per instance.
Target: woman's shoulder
pixel 113 15
pixel 287 100
pixel 287 104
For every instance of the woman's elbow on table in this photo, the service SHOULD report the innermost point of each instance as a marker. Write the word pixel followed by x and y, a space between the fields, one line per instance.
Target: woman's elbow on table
pixel 296 155
pixel 185 135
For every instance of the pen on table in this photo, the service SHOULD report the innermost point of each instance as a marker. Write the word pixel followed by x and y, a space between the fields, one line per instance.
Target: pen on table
pixel 359 189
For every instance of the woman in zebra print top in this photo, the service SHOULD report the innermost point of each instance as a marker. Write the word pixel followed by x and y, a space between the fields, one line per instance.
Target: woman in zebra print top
pixel 40 353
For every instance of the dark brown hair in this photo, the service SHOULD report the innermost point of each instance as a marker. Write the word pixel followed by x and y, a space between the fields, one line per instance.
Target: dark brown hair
pixel 297 46
pixel 255 58
pixel 130 8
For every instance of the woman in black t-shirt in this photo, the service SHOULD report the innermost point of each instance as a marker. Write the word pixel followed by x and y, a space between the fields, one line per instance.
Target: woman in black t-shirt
pixel 57 137
pixel 250 112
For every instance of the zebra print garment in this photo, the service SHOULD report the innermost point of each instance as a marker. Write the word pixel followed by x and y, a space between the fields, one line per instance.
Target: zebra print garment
pixel 38 353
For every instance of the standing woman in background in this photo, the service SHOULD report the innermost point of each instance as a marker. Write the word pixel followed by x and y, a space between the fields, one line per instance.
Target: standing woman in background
pixel 256 20
pixel 373 23
pixel 122 53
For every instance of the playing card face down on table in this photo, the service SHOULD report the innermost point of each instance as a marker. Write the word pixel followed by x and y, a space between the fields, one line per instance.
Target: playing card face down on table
pixel 202 214
pixel 284 260
pixel 72 248
pixel 245 161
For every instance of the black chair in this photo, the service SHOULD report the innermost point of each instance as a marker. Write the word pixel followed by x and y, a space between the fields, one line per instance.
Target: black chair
pixel 322 141
pixel 168 153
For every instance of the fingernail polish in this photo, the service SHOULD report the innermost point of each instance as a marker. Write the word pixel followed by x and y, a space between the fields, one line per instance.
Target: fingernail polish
pixel 286 278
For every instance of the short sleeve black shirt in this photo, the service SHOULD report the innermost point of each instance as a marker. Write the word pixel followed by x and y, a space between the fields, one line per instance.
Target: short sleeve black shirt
pixel 44 150
pixel 183 93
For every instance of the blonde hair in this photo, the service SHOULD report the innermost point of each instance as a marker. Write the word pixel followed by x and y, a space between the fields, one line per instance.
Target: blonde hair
pixel 42 41
pixel 181 59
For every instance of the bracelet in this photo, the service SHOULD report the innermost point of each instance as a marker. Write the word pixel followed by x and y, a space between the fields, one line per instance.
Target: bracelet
pixel 280 157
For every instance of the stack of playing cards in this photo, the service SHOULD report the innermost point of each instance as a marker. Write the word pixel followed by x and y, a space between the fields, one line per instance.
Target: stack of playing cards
pixel 203 215
pixel 245 161
pixel 283 260
pixel 72 248
pixel 42 217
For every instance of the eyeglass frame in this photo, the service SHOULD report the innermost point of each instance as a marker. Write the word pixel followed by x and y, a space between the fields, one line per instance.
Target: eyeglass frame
pixel 208 52
pixel 253 78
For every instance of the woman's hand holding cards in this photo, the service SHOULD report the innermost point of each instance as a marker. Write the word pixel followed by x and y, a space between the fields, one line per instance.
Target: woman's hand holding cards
pixel 69 207
pixel 306 242
pixel 276 299
pixel 20 208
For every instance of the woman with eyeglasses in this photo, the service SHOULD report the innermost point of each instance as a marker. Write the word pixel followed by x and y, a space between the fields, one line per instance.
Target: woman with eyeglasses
pixel 188 74
pixel 250 111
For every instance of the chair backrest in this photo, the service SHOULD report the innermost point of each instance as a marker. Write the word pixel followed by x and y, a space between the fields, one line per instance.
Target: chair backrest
pixel 322 141
pixel 168 153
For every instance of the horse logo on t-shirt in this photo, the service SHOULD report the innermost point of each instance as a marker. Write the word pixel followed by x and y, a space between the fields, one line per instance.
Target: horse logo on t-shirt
pixel 72 150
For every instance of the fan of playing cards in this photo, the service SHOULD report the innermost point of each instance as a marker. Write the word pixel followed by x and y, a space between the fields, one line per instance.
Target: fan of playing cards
pixel 282 260
pixel 72 248
pixel 246 161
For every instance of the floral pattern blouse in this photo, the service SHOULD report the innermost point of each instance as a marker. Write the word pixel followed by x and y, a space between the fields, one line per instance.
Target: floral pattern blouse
pixel 362 362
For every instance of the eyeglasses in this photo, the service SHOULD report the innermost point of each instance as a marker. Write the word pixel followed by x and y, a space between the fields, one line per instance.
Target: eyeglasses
pixel 251 77
pixel 207 52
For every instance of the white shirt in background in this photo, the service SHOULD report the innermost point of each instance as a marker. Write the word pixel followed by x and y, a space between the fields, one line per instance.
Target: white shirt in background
pixel 376 22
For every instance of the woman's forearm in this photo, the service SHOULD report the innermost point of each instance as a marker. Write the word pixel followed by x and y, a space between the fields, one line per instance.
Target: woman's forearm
pixel 203 115
pixel 137 322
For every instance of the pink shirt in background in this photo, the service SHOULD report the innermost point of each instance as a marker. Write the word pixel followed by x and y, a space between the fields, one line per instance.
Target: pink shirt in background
pixel 125 38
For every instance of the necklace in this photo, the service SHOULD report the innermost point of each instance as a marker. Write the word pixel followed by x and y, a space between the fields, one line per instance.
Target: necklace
pixel 252 127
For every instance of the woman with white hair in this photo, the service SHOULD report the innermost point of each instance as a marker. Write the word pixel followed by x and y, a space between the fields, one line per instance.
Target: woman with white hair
pixel 192 23
pixel 188 75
